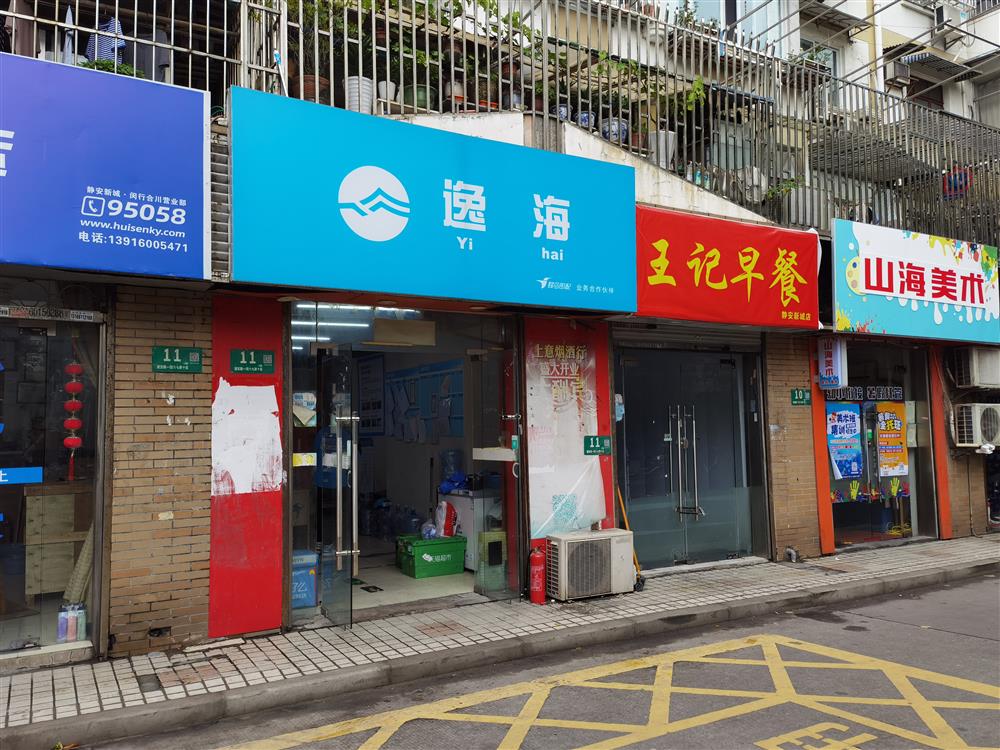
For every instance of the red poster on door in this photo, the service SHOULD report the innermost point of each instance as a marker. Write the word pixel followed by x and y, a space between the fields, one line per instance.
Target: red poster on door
pixel 719 271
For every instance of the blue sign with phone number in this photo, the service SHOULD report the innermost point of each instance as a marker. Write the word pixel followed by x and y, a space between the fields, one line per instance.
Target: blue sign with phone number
pixel 101 172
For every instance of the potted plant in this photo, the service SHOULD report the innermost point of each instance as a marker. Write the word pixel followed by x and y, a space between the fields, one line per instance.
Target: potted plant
pixel 309 55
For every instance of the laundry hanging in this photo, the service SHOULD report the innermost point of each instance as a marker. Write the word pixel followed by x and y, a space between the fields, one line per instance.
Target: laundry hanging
pixel 107 43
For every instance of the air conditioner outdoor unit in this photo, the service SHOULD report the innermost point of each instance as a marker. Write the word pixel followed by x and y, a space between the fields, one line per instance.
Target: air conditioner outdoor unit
pixel 977 367
pixel 949 14
pixel 899 73
pixel 976 424
pixel 581 564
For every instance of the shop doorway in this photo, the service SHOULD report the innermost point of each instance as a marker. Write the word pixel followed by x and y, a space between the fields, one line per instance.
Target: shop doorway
pixel 879 447
pixel 390 420
pixel 690 455
pixel 50 465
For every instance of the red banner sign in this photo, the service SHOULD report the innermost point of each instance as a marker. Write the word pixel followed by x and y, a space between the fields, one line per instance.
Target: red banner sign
pixel 718 271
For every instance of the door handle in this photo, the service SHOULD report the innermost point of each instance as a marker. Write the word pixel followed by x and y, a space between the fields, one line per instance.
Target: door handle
pixel 355 547
pixel 352 469
pixel 670 446
pixel 340 495
pixel 698 512
pixel 679 423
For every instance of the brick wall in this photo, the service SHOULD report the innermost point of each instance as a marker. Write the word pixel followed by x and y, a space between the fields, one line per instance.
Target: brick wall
pixel 790 445
pixel 967 479
pixel 161 479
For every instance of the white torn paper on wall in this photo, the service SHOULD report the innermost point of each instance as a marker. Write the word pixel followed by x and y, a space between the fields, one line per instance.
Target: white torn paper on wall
pixel 246 439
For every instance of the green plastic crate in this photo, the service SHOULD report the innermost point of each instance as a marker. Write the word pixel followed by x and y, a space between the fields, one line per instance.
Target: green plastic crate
pixel 424 558
pixel 401 541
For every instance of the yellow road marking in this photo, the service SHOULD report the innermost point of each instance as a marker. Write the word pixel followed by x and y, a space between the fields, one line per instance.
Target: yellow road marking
pixel 940 734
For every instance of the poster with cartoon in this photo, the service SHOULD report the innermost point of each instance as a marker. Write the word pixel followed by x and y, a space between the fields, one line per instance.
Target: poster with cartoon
pixel 843 439
pixel 890 427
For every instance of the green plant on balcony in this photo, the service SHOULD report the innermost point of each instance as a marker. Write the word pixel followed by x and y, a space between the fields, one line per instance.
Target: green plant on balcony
pixel 782 188
pixel 109 66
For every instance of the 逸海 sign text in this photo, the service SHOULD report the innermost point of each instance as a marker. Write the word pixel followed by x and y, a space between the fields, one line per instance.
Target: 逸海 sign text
pixel 404 209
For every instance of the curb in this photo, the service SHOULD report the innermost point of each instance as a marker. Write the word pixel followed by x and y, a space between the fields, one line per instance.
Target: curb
pixel 168 715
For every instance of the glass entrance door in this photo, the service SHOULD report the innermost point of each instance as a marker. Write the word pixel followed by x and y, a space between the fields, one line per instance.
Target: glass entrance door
pixel 336 480
pixel 690 468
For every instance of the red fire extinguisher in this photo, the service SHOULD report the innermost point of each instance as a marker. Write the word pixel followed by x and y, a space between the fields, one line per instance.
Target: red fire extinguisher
pixel 536 575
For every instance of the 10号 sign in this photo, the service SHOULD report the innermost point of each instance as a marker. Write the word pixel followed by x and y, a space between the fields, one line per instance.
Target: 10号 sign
pixel 251 361
pixel 176 359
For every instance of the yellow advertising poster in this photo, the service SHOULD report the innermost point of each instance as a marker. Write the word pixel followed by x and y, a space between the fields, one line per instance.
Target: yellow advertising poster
pixel 893 457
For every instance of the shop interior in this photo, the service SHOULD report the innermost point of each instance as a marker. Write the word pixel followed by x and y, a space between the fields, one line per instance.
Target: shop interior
pixel 879 444
pixel 428 392
pixel 49 373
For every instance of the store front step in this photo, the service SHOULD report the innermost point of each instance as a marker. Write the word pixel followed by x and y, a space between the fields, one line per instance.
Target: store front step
pixel 107 700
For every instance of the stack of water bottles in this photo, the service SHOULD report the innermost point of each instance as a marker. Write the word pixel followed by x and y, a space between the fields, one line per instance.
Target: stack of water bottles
pixel 72 624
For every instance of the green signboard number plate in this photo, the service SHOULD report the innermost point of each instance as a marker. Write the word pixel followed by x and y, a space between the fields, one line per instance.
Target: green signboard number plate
pixel 801 397
pixel 251 361
pixel 176 359
pixel 597 445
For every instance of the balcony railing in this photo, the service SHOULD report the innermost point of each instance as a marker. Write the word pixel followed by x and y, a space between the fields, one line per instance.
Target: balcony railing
pixel 780 137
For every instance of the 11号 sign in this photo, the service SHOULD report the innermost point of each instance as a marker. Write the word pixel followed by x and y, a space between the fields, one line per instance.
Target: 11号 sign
pixel 176 359
pixel 597 445
pixel 251 361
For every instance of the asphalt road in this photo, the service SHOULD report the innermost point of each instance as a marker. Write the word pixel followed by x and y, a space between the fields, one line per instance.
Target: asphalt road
pixel 914 670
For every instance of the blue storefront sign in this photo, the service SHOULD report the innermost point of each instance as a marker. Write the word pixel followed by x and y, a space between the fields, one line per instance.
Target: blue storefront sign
pixel 889 281
pixel 21 475
pixel 101 172
pixel 333 199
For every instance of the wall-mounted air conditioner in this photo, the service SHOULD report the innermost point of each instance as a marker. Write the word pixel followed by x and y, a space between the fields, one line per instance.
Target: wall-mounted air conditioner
pixel 946 15
pixel 977 367
pixel 581 564
pixel 976 424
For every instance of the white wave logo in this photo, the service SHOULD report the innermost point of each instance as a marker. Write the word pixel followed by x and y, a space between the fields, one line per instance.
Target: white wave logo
pixel 374 204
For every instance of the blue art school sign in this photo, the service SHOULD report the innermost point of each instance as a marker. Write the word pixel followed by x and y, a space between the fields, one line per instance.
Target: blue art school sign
pixel 327 198
pixel 101 172
pixel 888 281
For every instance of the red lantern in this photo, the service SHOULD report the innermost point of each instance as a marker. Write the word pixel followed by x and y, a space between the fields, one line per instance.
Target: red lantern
pixel 74 387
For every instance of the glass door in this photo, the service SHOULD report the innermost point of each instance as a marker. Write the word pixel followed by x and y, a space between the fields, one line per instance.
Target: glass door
pixel 691 475
pixel 50 406
pixel 716 510
pixel 336 479
pixel 652 456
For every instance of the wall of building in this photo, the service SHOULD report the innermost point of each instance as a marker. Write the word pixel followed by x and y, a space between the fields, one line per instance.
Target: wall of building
pixel 791 468
pixel 161 473
pixel 967 481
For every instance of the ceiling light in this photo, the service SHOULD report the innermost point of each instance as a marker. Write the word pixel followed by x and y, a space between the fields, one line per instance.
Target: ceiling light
pixel 310 338
pixel 330 324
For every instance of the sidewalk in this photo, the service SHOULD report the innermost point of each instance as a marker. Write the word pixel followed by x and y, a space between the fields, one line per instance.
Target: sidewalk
pixel 155 692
